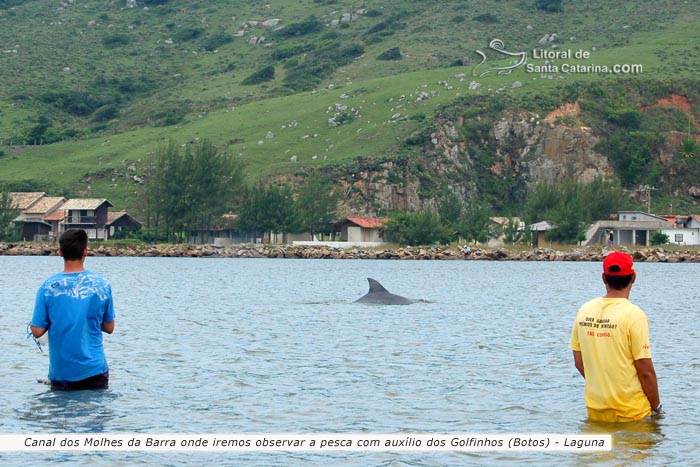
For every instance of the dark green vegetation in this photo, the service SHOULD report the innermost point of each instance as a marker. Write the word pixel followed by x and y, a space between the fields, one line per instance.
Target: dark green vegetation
pixel 92 89
pixel 188 191
pixel 8 231
pixel 571 206
pixel 277 208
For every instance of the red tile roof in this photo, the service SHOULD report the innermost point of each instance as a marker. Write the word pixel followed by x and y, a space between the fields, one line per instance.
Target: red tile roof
pixel 369 222
pixel 55 216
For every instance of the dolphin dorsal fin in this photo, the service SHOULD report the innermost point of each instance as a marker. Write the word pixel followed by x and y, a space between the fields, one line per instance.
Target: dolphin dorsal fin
pixel 375 286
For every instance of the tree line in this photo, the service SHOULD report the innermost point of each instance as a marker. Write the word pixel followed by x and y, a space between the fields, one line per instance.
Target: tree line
pixel 571 206
pixel 189 189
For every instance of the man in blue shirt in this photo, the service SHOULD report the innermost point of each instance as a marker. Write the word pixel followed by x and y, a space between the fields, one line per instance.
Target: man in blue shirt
pixel 75 307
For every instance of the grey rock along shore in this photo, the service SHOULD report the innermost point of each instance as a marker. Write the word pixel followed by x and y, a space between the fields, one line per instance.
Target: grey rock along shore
pixel 656 255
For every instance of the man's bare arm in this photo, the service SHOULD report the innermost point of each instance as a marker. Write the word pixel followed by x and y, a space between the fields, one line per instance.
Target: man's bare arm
pixel 578 362
pixel 108 327
pixel 37 332
pixel 647 376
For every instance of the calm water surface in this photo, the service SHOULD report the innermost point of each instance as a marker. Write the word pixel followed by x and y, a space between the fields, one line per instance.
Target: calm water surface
pixel 262 346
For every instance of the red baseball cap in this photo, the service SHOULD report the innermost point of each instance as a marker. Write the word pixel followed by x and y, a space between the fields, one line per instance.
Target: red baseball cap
pixel 618 263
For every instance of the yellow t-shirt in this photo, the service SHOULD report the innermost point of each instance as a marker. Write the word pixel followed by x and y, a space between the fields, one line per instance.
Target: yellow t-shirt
pixel 611 333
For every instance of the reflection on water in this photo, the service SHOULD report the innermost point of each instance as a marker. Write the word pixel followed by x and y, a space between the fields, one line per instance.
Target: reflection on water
pixel 633 441
pixel 68 411
pixel 278 346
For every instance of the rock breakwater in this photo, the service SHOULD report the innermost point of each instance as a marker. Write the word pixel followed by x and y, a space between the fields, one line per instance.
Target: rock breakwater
pixel 657 254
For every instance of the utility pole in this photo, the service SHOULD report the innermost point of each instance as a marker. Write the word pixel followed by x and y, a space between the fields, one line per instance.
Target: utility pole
pixel 646 191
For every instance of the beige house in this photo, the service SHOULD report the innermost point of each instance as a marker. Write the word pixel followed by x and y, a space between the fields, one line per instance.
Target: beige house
pixel 34 227
pixel 89 214
pixel 361 229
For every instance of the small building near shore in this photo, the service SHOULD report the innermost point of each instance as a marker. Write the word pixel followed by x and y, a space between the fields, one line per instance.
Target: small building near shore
pixel 539 231
pixel 89 214
pixel 31 217
pixel 361 229
pixel 121 221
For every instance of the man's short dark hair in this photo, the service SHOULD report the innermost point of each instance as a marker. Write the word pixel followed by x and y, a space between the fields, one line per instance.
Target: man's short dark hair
pixel 73 243
pixel 618 282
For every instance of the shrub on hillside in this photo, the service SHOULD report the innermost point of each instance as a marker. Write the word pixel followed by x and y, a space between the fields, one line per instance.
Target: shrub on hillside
pixel 320 64
pixel 549 6
pixel 389 25
pixel 171 113
pixel 308 26
pixel 116 40
pixel 488 18
pixel 75 102
pixel 215 41
pixel 286 51
pixel 262 75
pixel 392 54
pixel 626 117
pixel 187 34
pixel 10 3
pixel 104 113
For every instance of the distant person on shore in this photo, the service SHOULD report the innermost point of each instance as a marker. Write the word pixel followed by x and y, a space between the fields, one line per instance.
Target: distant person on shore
pixel 610 343
pixel 611 238
pixel 467 251
pixel 75 307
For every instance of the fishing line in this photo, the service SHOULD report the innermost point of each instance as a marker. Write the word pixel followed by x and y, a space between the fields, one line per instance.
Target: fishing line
pixel 40 342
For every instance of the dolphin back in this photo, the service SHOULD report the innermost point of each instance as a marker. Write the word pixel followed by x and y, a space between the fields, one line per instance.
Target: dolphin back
pixel 379 295
pixel 375 286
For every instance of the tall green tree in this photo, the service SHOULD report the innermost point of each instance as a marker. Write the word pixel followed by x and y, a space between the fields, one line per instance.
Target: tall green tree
pixel 317 201
pixel 268 209
pixel 572 205
pixel 423 228
pixel 512 232
pixel 189 190
pixel 9 232
pixel 450 209
pixel 475 223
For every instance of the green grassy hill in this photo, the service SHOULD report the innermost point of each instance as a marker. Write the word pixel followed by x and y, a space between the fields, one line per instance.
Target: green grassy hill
pixel 110 84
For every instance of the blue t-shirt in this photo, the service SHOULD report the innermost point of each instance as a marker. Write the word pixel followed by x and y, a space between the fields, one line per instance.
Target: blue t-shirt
pixel 73 307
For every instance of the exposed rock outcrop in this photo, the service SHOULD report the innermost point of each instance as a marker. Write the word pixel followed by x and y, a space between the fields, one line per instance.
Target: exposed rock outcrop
pixel 521 147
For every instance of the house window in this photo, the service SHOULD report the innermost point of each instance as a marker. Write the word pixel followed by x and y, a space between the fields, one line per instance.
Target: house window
pixel 678 238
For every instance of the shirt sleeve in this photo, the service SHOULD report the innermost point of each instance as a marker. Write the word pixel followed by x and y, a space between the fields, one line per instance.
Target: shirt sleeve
pixel 574 343
pixel 108 315
pixel 639 338
pixel 40 318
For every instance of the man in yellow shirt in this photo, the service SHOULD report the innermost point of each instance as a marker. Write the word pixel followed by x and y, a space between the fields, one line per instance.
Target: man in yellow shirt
pixel 610 342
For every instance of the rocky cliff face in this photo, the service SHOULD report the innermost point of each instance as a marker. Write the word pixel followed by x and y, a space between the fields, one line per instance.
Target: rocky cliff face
pixel 552 152
pixel 522 150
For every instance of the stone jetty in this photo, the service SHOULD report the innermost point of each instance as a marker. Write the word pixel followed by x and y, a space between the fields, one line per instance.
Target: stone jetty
pixel 651 254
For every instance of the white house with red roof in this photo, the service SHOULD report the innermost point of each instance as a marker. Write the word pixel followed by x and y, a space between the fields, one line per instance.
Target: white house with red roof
pixel 361 229
pixel 351 232
pixel 683 230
